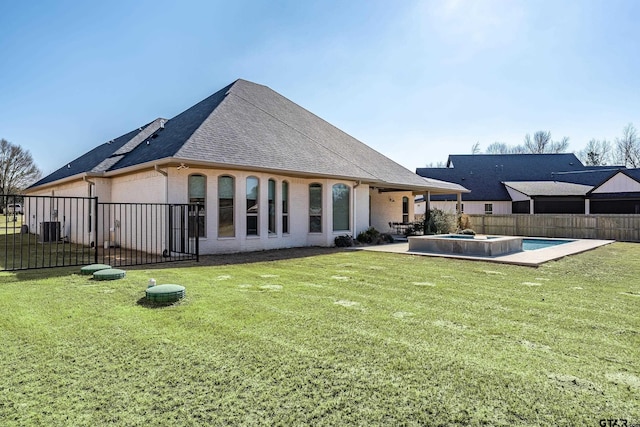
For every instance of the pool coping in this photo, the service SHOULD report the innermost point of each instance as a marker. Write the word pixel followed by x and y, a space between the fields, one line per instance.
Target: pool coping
pixel 532 258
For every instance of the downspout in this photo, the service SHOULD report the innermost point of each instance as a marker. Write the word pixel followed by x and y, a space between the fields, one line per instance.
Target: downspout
pixel 166 182
pixel 93 233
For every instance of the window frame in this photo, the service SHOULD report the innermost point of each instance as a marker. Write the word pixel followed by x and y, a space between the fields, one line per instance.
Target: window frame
pixel 202 204
pixel 250 213
pixel 405 212
pixel 272 223
pixel 341 186
pixel 231 206
pixel 315 218
pixel 285 206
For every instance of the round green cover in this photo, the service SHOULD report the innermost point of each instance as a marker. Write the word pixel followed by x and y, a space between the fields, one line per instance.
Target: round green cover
pixel 165 293
pixel 90 269
pixel 109 274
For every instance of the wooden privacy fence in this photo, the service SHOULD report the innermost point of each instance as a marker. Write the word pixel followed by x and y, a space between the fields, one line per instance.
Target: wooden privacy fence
pixel 624 228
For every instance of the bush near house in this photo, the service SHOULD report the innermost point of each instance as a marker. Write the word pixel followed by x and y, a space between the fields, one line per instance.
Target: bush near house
pixel 345 241
pixel 374 237
pixel 439 222
pixel 464 223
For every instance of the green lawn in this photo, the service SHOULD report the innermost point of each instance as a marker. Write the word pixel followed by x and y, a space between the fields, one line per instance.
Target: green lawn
pixel 348 338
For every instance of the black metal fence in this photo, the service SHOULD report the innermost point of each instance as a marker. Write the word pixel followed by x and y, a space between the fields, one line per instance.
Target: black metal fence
pixel 52 231
pixel 146 233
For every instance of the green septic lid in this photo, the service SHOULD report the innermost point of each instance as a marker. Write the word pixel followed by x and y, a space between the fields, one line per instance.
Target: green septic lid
pixel 90 269
pixel 165 293
pixel 109 274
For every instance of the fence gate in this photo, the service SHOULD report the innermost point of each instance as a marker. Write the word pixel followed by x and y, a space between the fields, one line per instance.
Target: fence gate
pixel 51 231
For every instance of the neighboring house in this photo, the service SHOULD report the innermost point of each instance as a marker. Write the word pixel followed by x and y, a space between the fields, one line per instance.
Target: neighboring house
pixel 268 173
pixel 484 174
pixel 620 193
pixel 535 183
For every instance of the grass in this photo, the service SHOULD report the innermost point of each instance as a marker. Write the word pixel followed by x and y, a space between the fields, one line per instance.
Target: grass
pixel 338 339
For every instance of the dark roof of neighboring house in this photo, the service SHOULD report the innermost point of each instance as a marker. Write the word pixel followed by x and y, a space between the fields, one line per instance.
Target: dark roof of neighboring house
pixel 246 125
pixel 588 176
pixel 483 174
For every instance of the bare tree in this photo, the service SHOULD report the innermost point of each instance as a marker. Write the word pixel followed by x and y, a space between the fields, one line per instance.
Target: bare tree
pixel 17 169
pixel 542 143
pixel 503 148
pixel 596 153
pixel 436 165
pixel 475 149
pixel 628 147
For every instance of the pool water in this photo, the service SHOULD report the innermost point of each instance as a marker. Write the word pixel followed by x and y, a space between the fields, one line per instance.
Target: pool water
pixel 533 244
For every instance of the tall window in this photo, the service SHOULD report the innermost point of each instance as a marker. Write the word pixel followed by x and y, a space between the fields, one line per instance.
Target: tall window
pixel 315 208
pixel 488 208
pixel 226 191
pixel 405 210
pixel 252 205
pixel 285 207
pixel 341 204
pixel 272 206
pixel 197 195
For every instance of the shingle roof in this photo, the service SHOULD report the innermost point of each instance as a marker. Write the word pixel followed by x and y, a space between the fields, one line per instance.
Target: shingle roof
pixel 246 125
pixel 548 188
pixel 483 174
pixel 90 160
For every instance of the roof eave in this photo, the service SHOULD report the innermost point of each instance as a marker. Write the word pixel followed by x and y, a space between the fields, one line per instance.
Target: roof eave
pixel 77 177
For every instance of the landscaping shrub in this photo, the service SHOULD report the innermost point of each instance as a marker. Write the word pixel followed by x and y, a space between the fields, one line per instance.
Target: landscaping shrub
pixel 343 241
pixel 464 223
pixel 370 235
pixel 386 238
pixel 439 222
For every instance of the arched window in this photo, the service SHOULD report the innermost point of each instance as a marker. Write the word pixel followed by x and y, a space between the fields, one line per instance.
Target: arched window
pixel 197 202
pixel 315 208
pixel 341 207
pixel 253 196
pixel 226 192
pixel 405 210
pixel 285 207
pixel 272 206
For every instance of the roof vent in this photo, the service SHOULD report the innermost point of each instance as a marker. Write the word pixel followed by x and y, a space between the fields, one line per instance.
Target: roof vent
pixel 69 166
pixel 162 122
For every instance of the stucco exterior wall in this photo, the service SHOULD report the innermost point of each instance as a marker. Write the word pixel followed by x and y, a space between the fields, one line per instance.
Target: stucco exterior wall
pixel 170 185
pixel 148 186
pixel 387 207
pixel 298 234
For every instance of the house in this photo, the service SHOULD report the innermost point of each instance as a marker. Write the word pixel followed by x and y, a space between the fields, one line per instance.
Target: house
pixel 535 183
pixel 266 173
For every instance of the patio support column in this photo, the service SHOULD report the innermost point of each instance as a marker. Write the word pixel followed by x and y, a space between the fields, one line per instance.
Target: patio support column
pixel 427 203
pixel 427 210
pixel 459 203
pixel 531 206
pixel 587 206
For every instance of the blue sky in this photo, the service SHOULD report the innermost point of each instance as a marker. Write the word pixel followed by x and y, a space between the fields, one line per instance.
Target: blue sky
pixel 416 80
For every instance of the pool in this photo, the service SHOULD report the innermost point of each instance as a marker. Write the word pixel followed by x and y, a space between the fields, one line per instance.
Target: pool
pixel 533 244
pixel 478 245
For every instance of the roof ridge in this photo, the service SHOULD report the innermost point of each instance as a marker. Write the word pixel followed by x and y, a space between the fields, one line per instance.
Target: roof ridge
pixel 116 156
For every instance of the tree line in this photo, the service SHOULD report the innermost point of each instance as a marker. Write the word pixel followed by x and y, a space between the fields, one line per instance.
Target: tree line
pixel 17 168
pixel 623 151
